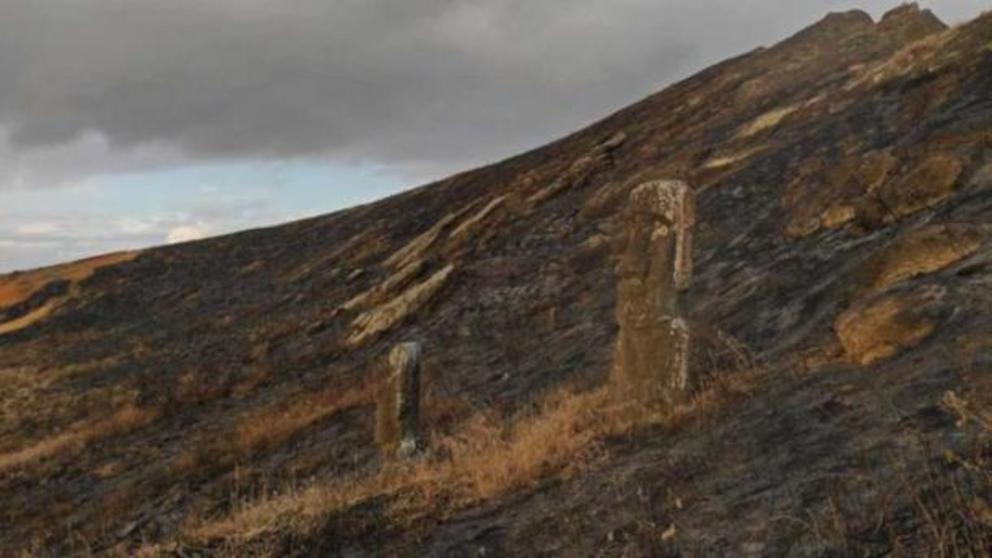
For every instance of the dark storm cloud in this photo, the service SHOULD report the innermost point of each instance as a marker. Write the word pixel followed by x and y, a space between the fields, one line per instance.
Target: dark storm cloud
pixel 406 82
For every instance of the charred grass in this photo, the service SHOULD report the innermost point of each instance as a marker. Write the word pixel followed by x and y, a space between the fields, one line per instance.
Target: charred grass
pixel 488 456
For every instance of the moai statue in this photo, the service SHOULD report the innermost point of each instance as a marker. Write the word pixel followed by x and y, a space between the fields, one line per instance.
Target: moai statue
pixel 398 405
pixel 655 268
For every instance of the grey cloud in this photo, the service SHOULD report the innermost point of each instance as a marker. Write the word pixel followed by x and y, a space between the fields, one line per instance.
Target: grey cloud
pixel 435 84
pixel 65 164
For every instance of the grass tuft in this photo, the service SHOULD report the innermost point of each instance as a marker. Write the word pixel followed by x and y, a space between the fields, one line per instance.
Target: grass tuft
pixel 485 458
pixel 78 436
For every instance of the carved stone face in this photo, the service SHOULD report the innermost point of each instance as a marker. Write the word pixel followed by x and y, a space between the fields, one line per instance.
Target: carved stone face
pixel 654 267
pixel 398 406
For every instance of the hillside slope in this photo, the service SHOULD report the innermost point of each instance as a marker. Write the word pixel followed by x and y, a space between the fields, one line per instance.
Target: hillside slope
pixel 843 266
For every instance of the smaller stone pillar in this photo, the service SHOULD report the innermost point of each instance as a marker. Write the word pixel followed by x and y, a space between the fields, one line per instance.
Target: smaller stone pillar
pixel 398 402
pixel 651 360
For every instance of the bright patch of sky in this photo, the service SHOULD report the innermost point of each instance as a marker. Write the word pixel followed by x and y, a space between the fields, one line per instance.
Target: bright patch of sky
pixel 126 211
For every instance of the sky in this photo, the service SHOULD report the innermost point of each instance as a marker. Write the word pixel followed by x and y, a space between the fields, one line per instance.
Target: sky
pixel 133 123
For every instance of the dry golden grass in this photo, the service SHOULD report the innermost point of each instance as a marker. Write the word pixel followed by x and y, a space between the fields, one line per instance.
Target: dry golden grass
pixel 31 318
pixel 17 287
pixel 78 436
pixel 954 505
pixel 486 458
pixel 966 413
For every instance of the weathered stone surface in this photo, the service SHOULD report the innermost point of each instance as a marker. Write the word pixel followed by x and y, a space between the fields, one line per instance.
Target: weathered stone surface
pixel 355 274
pixel 875 327
pixel 911 22
pixel 577 174
pixel 384 317
pixel 398 403
pixel 613 142
pixel 921 251
pixel 827 195
pixel 652 351
pixel 572 177
pixel 605 200
pixel 416 248
pixel 469 227
pixel 866 188
pixel 928 184
pixel 879 328
pixel 384 290
pixel 765 121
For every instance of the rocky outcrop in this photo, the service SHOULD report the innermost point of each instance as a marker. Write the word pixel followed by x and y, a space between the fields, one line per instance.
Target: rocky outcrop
pixel 879 328
pixel 885 318
pixel 652 350
pixel 387 288
pixel 384 317
pixel 768 120
pixel 419 246
pixel 827 195
pixel 580 170
pixel 468 228
pixel 932 181
pixel 397 429
pixel 919 252
pixel 867 190
pixel 910 22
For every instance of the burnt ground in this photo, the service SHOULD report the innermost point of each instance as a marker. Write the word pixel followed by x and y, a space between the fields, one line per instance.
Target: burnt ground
pixel 816 162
